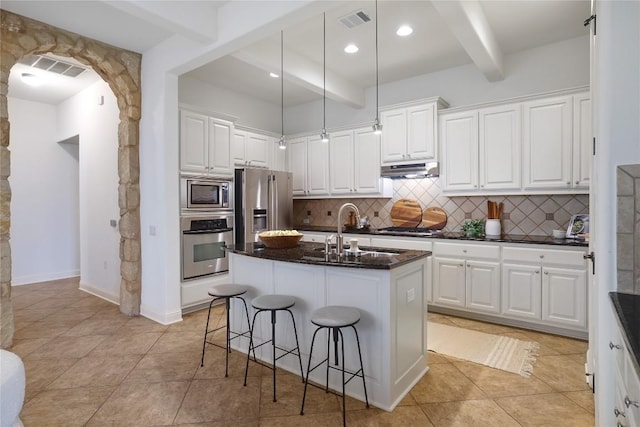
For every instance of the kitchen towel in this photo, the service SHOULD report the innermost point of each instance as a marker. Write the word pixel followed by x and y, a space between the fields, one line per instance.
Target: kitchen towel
pixel 495 351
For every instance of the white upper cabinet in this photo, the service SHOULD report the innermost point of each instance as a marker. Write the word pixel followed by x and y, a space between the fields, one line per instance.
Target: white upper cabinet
pixel 409 134
pixel 309 164
pixel 459 142
pixel 205 144
pixel 250 149
pixel 582 141
pixel 354 162
pixel 499 143
pixel 547 143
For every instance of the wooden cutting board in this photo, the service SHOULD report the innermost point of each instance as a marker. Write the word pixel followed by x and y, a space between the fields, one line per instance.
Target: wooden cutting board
pixel 406 213
pixel 434 218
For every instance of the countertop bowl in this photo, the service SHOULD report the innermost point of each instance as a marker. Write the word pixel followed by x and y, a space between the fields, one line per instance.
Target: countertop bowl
pixel 280 242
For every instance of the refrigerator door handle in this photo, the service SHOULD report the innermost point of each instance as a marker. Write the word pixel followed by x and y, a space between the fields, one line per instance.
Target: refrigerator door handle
pixel 274 201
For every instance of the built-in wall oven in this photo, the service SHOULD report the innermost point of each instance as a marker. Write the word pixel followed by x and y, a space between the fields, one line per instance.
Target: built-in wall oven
pixel 204 241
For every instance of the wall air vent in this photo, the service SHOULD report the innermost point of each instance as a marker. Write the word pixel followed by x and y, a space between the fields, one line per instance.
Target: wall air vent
pixel 53 65
pixel 354 19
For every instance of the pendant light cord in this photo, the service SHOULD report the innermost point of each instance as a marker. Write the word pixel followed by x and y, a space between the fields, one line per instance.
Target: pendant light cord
pixel 281 83
pixel 324 72
pixel 377 89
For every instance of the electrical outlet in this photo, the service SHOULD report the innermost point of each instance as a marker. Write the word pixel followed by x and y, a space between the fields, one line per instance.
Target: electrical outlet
pixel 113 222
pixel 152 230
pixel 104 265
pixel 306 221
pixel 411 294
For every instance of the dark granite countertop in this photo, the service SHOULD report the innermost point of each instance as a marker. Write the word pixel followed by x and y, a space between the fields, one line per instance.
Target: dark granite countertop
pixel 504 238
pixel 627 307
pixel 313 253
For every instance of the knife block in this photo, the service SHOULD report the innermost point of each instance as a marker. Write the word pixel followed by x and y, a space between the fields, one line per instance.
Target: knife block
pixel 492 227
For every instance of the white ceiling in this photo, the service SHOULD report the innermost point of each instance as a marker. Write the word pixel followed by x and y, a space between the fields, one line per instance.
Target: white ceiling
pixel 440 39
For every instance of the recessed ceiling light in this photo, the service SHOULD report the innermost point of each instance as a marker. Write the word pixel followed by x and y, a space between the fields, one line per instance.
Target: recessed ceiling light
pixel 274 75
pixel 404 30
pixel 351 48
pixel 30 79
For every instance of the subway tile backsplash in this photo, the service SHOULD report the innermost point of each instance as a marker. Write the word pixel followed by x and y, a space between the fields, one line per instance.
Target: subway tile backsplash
pixel 524 215
pixel 628 228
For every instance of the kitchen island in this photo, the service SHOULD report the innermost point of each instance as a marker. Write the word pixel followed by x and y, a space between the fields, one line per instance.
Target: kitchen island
pixel 388 289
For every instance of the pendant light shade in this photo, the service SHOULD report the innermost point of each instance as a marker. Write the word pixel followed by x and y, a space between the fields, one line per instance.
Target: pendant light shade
pixel 324 136
pixel 282 143
pixel 377 126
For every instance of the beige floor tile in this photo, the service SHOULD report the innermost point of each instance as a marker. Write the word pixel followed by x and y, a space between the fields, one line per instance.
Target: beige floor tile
pixel 93 303
pixel 489 328
pixel 434 358
pixel 311 420
pixel 445 383
pixel 196 321
pixel 584 399
pixel 562 345
pixel 48 303
pixel 289 391
pixel 96 326
pixel 41 372
pixel 440 318
pixel 72 407
pixel 165 367
pixel 139 325
pixel 26 299
pixel 496 383
pixel 471 413
pixel 40 329
pixel 97 371
pixel 127 344
pixel 560 372
pixel 23 347
pixel 233 423
pixel 68 317
pixel 141 404
pixel 67 347
pixel 32 315
pixel 178 341
pixel 546 410
pixel 408 400
pixel 214 365
pixel 213 400
pixel 407 416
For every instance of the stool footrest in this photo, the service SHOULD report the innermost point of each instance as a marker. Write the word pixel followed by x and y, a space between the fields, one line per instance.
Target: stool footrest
pixel 359 373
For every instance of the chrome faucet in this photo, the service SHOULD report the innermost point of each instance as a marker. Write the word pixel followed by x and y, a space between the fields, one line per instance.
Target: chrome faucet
pixel 339 242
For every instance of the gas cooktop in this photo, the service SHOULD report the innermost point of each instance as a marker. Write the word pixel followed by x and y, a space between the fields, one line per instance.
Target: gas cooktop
pixel 409 231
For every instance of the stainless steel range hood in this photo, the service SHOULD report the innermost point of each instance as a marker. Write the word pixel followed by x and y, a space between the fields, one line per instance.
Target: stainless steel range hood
pixel 412 170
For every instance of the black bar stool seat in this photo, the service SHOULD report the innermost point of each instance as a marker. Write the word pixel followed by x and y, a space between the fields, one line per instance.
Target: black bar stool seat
pixel 334 318
pixel 226 292
pixel 273 303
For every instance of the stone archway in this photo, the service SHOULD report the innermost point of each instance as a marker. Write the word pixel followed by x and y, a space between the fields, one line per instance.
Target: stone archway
pixel 20 37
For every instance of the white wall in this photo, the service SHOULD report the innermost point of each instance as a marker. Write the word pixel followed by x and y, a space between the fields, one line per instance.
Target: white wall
pixel 552 67
pixel 44 202
pixel 97 127
pixel 249 111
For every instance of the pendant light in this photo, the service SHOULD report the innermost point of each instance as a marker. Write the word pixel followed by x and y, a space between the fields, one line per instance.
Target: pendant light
pixel 324 136
pixel 377 127
pixel 282 144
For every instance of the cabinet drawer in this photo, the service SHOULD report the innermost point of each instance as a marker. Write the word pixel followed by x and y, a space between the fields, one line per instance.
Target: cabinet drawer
pixel 466 250
pixel 548 256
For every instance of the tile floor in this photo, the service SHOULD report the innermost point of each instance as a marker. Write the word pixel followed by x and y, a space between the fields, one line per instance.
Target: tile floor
pixel 87 364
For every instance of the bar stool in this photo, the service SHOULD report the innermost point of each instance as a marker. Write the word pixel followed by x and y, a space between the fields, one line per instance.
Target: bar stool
pixel 225 292
pixel 273 304
pixel 336 317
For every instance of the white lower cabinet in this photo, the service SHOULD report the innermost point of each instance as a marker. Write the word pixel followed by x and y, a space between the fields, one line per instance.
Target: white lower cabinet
pixel 466 276
pixel 626 409
pixel 546 285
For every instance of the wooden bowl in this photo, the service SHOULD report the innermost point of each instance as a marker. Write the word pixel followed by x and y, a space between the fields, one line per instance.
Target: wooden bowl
pixel 280 242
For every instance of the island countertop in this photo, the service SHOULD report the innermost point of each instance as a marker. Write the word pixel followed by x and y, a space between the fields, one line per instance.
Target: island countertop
pixel 313 253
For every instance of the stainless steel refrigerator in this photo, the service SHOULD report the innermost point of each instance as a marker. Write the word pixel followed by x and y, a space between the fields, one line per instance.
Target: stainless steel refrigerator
pixel 263 201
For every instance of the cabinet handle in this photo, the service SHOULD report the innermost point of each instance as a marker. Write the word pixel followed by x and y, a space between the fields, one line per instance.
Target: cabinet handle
pixel 628 402
pixel 577 182
pixel 537 271
pixel 617 413
pixel 468 265
pixel 616 346
pixel 464 251
pixel 461 265
pixel 568 182
pixel 546 272
pixel 541 256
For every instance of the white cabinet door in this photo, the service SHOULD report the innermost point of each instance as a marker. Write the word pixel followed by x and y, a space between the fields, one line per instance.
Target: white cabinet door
pixel 421 132
pixel 194 142
pixel 582 141
pixel 238 146
pixel 483 286
pixel 341 162
pixel 564 296
pixel 394 135
pixel 499 143
pixel 449 282
pixel 220 146
pixel 459 145
pixel 317 166
pixel 547 141
pixel 256 154
pixel 297 153
pixel 366 155
pixel 521 291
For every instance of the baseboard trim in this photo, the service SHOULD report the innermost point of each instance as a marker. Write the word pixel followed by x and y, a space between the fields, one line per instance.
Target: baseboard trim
pixel 162 318
pixel 108 296
pixel 43 277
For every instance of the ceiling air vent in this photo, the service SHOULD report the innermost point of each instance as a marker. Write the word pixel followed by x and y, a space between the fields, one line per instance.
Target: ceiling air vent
pixel 354 19
pixel 53 65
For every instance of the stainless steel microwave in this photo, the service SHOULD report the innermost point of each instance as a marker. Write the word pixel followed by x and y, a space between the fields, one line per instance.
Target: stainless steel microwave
pixel 204 193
